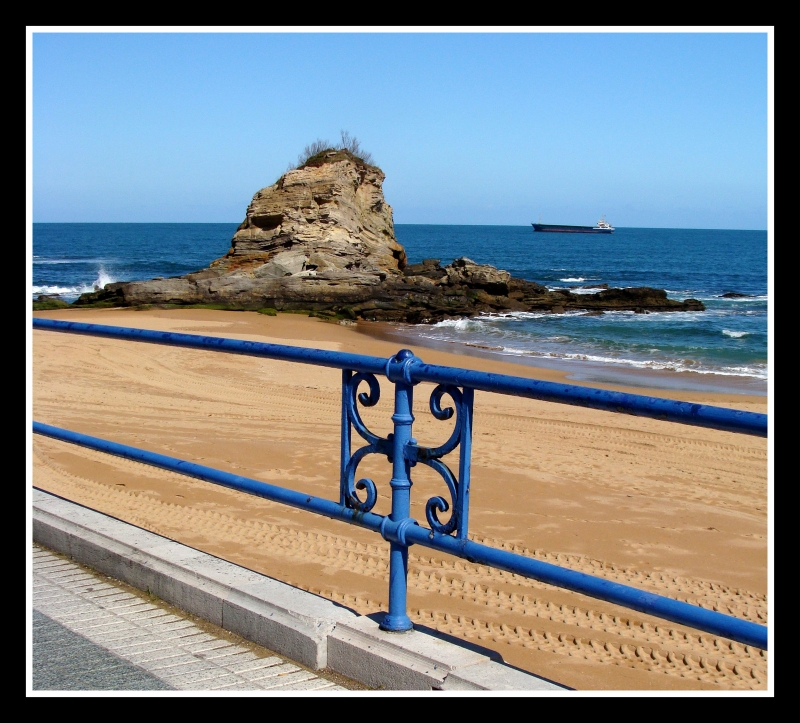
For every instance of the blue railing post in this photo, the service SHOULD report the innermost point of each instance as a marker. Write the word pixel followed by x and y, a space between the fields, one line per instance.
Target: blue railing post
pixel 464 464
pixel 397 619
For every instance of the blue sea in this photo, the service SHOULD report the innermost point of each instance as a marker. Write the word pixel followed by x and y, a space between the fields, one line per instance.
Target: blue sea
pixel 722 348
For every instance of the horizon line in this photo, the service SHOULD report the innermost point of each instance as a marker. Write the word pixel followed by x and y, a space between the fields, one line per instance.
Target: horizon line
pixel 501 225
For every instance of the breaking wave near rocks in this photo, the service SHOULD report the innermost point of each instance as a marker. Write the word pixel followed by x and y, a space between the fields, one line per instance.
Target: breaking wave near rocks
pixel 70 293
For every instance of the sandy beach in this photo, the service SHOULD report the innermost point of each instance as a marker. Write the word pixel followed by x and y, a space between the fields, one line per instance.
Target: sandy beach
pixel 674 509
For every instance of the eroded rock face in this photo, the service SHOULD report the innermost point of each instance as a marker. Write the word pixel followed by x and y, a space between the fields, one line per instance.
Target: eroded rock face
pixel 318 218
pixel 322 239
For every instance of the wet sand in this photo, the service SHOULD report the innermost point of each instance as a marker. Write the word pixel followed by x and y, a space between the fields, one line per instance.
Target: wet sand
pixel 670 508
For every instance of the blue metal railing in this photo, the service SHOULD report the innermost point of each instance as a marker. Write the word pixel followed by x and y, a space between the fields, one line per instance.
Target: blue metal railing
pixel 357 498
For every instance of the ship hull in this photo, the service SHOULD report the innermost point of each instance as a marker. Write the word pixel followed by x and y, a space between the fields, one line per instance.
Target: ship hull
pixel 552 228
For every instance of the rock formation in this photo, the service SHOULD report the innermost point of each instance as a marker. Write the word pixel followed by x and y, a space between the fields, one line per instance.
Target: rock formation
pixel 322 240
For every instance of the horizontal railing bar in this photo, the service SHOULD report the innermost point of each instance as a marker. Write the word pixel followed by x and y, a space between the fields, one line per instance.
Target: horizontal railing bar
pixel 700 415
pixel 742 631
pixel 282 352
pixel 693 616
pixel 216 476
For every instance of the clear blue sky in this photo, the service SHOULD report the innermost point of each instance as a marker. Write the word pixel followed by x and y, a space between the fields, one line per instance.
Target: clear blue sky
pixel 658 130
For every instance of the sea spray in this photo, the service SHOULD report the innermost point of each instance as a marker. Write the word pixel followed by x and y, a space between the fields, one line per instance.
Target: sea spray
pixel 70 293
pixel 103 278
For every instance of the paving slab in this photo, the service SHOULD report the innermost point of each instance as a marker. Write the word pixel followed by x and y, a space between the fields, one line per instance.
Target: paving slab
pixel 91 667
pixel 82 642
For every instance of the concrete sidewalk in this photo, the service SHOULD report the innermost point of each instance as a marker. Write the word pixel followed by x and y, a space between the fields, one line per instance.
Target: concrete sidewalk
pixel 90 633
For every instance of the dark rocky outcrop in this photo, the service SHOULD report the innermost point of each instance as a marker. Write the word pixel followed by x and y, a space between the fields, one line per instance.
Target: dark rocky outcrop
pixel 322 240
pixel 46 302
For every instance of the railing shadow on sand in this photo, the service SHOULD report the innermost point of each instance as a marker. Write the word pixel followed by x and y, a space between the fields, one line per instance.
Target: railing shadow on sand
pixel 357 497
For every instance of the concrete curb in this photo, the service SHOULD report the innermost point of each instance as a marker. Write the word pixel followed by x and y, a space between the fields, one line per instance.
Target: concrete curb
pixel 413 660
pixel 299 625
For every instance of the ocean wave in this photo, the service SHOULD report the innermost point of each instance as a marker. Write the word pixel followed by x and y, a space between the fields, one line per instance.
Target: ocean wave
pixel 500 322
pixel 490 343
pixel 465 324
pixel 525 315
pixel 708 296
pixel 49 262
pixel 577 279
pixel 753 372
pixel 60 290
pixel 735 334
pixel 579 290
pixel 103 278
pixel 488 321
pixel 760 297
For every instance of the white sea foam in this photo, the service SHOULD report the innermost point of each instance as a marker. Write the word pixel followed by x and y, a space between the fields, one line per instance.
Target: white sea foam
pixel 575 279
pixel 103 278
pixel 706 296
pixel 675 365
pixel 735 334
pixel 61 290
pixel 518 352
pixel 763 297
pixel 575 290
pixel 459 324
pixel 485 321
pixel 50 262
pixel 526 315
pixel 754 372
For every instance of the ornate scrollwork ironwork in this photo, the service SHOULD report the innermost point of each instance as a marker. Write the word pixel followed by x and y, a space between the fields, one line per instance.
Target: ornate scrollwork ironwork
pixel 438 504
pixel 377 445
pixel 431 456
pixel 455 500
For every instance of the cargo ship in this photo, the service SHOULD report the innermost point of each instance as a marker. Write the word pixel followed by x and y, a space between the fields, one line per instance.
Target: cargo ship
pixel 602 226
